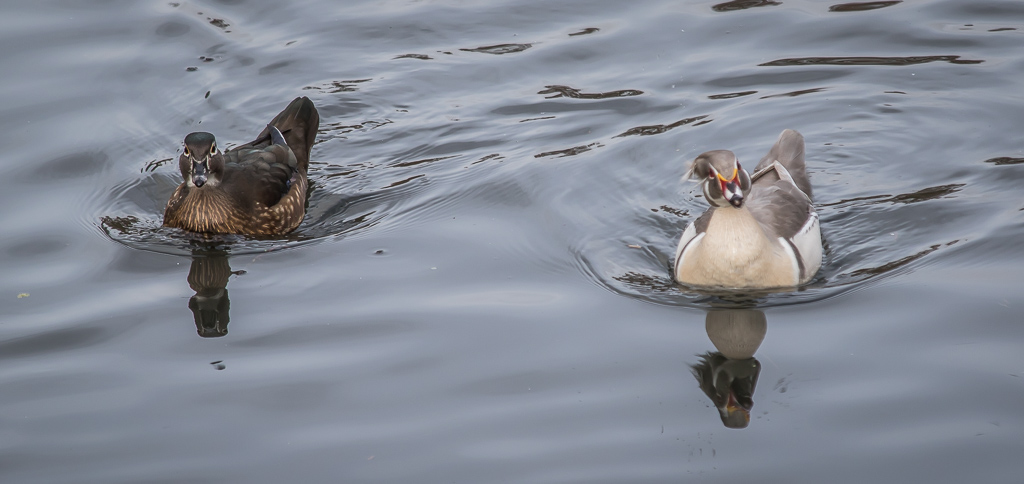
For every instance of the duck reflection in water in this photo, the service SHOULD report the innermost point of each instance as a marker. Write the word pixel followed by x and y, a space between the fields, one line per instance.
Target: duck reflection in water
pixel 728 376
pixel 208 277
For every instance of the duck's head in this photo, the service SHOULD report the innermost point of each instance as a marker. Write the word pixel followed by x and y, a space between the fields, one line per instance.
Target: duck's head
pixel 724 181
pixel 200 162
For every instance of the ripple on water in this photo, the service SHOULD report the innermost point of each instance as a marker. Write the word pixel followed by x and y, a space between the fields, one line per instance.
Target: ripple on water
pixel 136 220
pixel 743 5
pixel 346 197
pixel 499 49
pixel 862 6
pixel 858 252
pixel 71 166
pixel 867 240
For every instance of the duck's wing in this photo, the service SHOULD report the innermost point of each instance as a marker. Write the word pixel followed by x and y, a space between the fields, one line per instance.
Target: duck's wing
pixel 693 232
pixel 298 123
pixel 259 175
pixel 778 205
pixel 780 200
pixel 780 194
pixel 789 152
pixel 786 213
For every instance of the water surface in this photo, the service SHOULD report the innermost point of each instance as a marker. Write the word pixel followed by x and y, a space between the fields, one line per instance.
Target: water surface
pixel 480 290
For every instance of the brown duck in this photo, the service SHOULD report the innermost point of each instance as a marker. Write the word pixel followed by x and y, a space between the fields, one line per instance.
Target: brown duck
pixel 258 188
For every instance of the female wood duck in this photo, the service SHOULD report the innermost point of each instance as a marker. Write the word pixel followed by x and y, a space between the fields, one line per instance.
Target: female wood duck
pixel 258 188
pixel 761 230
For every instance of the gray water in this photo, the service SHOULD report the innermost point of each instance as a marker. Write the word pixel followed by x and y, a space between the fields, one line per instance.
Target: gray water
pixel 480 290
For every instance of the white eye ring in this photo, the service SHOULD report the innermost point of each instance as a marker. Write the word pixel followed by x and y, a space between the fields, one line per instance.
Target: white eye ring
pixel 213 149
pixel 187 152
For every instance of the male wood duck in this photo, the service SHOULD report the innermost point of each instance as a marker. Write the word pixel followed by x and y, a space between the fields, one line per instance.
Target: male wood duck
pixel 761 230
pixel 258 188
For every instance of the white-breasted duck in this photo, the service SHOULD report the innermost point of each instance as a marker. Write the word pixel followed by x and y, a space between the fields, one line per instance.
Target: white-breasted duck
pixel 761 231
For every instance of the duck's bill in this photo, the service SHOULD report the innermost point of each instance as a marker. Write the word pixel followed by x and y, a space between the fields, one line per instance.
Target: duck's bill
pixel 199 173
pixel 731 191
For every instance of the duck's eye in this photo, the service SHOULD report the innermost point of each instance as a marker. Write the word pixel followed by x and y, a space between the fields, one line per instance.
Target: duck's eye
pixel 187 152
pixel 213 149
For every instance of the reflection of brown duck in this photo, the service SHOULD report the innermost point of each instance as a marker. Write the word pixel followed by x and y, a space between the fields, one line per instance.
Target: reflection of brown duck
pixel 258 188
pixel 208 277
pixel 729 376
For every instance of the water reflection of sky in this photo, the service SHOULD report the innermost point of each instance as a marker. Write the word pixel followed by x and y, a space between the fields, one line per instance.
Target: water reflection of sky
pixel 479 290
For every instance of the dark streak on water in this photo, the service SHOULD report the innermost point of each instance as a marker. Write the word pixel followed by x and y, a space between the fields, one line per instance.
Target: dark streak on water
pixel 743 5
pixel 1005 160
pixel 731 95
pixel 566 91
pixel 662 128
pixel 870 61
pixel 796 93
pixel 500 49
pixel 862 6
pixel 414 56
pixel 569 151
pixel 588 30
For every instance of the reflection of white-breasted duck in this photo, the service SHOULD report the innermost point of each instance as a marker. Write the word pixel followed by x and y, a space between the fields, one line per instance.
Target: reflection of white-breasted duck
pixel 729 376
pixel 761 230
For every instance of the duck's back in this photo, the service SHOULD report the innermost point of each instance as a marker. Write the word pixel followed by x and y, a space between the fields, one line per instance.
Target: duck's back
pixel 258 177
pixel 781 201
pixel 789 151
pixel 298 123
